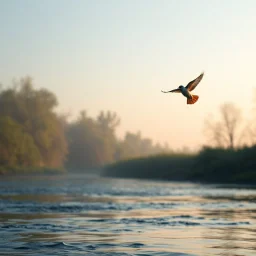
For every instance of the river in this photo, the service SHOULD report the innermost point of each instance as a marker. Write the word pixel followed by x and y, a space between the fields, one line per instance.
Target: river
pixel 91 215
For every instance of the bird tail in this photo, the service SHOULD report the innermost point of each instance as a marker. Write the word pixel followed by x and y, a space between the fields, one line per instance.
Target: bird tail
pixel 193 99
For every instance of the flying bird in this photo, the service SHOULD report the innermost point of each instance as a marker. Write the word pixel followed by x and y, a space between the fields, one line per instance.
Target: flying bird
pixel 191 98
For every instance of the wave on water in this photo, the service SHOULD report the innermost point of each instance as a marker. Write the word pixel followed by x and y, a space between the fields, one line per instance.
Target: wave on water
pixel 78 248
pixel 114 217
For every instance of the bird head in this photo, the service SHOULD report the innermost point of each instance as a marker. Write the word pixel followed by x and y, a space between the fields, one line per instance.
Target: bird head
pixel 181 86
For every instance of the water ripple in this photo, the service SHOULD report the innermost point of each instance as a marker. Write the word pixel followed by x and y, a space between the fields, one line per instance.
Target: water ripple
pixel 77 215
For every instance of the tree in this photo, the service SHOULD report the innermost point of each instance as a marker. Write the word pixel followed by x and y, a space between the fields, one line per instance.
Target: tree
pixel 86 145
pixel 34 111
pixel 134 145
pixel 225 132
pixel 108 122
pixel 251 127
pixel 16 146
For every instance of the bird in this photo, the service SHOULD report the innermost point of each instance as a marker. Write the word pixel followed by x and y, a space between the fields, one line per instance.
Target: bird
pixel 191 98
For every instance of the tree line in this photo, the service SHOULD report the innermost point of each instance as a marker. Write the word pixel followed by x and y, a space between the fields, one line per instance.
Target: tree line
pixel 33 134
pixel 227 157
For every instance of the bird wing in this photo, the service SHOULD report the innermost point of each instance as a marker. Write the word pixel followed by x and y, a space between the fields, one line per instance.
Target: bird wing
pixel 175 90
pixel 192 85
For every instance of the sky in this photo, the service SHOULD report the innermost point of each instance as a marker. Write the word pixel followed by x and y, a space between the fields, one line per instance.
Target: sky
pixel 118 55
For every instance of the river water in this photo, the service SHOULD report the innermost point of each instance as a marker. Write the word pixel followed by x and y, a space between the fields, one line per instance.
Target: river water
pixel 90 215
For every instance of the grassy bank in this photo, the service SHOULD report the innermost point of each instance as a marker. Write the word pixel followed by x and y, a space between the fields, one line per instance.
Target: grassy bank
pixel 17 170
pixel 170 167
pixel 209 165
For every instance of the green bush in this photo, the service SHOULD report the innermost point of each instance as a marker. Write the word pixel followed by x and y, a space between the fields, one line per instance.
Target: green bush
pixel 213 165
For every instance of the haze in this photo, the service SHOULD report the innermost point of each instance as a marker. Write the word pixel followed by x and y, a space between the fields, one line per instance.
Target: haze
pixel 119 55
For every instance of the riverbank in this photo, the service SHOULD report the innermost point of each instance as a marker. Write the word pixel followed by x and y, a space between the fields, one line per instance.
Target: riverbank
pixel 209 166
pixel 18 170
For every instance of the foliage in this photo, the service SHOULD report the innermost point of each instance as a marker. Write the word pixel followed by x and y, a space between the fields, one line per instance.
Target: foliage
pixel 32 112
pixel 18 170
pixel 86 144
pixel 225 165
pixel 215 165
pixel 33 137
pixel 134 145
pixel 32 134
pixel 163 166
pixel 16 146
pixel 93 142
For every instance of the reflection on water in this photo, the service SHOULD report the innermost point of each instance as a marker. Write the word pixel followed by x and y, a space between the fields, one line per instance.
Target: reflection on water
pixel 74 215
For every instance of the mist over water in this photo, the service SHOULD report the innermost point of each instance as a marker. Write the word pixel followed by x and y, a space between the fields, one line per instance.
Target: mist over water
pixel 79 214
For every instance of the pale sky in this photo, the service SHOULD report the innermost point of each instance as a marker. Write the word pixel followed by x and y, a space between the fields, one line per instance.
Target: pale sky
pixel 119 54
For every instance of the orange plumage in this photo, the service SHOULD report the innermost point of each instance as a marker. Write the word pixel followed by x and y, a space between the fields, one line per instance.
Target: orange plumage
pixel 193 99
